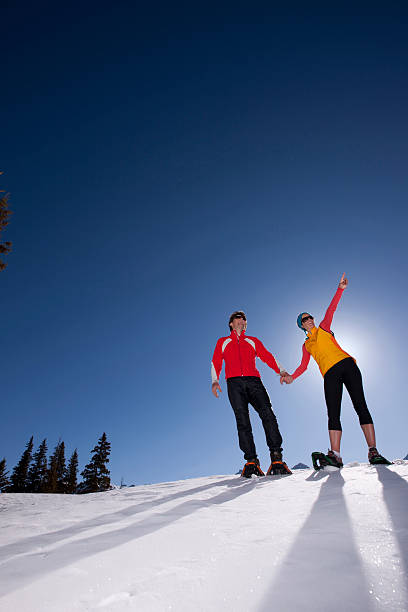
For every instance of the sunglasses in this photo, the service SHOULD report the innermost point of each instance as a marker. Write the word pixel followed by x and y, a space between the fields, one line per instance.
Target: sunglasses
pixel 239 317
pixel 307 318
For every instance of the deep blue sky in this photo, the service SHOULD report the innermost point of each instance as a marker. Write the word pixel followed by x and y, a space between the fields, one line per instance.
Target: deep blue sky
pixel 168 165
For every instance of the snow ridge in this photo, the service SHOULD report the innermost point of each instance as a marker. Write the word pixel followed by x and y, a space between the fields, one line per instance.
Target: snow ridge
pixel 312 541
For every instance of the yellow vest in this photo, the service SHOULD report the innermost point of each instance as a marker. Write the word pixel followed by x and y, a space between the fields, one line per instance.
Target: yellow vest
pixel 324 349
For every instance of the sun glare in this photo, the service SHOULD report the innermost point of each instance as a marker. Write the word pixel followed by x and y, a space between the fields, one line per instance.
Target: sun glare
pixel 358 343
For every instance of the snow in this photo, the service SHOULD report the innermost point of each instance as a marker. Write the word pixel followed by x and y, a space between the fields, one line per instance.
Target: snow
pixel 318 541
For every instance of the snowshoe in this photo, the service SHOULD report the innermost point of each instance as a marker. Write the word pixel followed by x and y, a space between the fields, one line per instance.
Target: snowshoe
pixel 320 460
pixel 252 467
pixel 336 461
pixel 278 468
pixel 375 458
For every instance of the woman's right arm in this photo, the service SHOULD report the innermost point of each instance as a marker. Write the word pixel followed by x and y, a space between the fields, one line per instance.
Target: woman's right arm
pixel 303 364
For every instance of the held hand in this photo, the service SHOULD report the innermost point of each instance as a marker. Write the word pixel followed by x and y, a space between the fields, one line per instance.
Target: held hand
pixel 343 281
pixel 286 378
pixel 283 375
pixel 215 387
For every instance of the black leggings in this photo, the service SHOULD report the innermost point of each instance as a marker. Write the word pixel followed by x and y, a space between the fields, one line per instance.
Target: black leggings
pixel 244 390
pixel 345 371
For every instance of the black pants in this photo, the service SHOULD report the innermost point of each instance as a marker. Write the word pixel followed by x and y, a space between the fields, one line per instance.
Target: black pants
pixel 345 372
pixel 244 390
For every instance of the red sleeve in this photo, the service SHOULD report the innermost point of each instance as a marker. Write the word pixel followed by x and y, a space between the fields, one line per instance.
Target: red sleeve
pixel 216 364
pixel 303 364
pixel 266 356
pixel 328 317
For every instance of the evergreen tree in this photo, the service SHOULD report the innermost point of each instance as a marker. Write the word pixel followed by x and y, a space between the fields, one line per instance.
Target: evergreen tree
pixel 72 473
pixel 51 482
pixel 95 474
pixel 61 469
pixel 5 247
pixel 37 474
pixel 19 477
pixel 4 481
pixel 57 470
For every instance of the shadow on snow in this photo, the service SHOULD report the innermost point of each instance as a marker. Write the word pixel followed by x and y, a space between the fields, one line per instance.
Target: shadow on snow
pixel 395 489
pixel 23 546
pixel 29 564
pixel 323 570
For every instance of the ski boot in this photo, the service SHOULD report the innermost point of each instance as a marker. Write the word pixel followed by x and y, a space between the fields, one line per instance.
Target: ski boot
pixel 278 467
pixel 375 458
pixel 252 467
pixel 320 460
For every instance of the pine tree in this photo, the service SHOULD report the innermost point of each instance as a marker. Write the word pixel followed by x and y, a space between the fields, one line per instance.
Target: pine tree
pixel 95 474
pixel 72 473
pixel 51 481
pixel 5 247
pixel 4 481
pixel 19 477
pixel 61 469
pixel 57 470
pixel 37 474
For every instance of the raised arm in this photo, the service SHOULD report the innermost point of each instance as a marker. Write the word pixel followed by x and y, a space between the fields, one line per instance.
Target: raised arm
pixel 328 317
pixel 267 357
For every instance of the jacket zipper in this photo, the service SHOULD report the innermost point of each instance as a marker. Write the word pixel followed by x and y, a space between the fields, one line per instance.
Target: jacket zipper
pixel 239 353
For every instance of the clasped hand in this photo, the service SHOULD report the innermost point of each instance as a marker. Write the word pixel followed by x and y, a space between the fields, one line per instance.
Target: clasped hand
pixel 286 378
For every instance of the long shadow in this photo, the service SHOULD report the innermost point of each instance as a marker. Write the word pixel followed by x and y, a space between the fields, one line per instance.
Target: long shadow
pixel 322 566
pixel 395 493
pixel 23 570
pixel 46 539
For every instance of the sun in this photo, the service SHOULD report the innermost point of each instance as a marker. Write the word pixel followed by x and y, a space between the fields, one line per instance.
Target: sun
pixel 359 343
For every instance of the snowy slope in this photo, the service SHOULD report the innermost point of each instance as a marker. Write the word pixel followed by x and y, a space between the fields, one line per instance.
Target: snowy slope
pixel 312 541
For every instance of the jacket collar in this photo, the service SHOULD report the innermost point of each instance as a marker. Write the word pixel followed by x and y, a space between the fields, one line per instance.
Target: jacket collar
pixel 235 336
pixel 311 333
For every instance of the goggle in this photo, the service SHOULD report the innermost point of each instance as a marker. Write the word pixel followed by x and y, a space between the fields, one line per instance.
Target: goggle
pixel 307 318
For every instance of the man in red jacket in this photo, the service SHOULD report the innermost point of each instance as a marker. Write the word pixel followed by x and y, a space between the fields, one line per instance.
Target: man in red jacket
pixel 245 387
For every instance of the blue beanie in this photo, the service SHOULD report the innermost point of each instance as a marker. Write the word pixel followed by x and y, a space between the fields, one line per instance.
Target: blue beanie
pixel 299 322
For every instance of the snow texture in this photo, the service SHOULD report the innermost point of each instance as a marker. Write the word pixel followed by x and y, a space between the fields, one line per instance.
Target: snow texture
pixel 314 541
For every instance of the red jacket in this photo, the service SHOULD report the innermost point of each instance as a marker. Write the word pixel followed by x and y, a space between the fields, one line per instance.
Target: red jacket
pixel 239 353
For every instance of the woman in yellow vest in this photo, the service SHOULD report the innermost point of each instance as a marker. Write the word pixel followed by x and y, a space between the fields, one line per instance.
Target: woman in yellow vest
pixel 337 368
